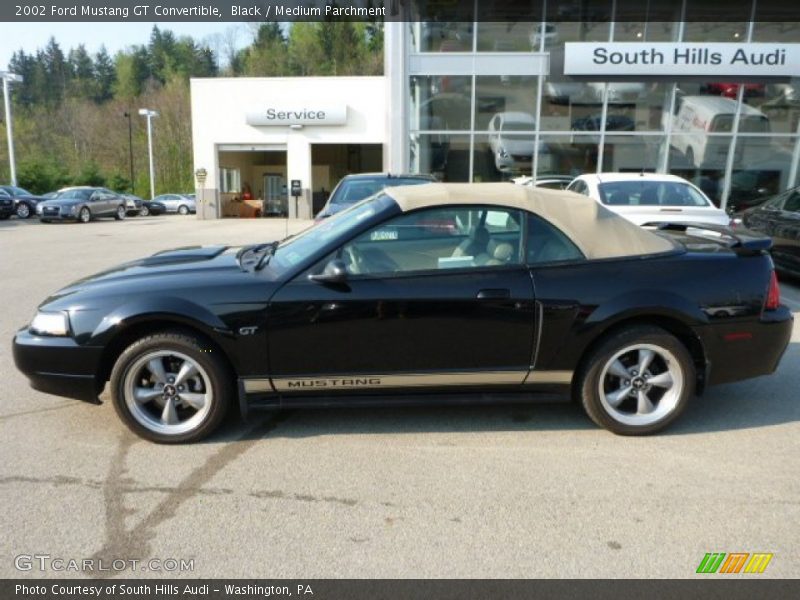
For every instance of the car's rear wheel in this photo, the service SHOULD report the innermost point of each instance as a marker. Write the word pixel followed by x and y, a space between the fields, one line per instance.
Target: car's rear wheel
pixel 184 210
pixel 85 215
pixel 637 381
pixel 23 211
pixel 121 213
pixel 144 211
pixel 171 387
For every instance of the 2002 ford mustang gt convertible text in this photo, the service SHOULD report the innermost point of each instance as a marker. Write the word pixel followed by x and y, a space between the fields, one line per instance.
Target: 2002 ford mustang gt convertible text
pixel 430 293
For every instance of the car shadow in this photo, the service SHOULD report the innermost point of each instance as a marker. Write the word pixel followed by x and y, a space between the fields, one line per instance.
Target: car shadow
pixel 762 402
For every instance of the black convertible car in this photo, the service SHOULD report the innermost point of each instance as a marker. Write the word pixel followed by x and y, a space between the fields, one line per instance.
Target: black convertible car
pixel 428 293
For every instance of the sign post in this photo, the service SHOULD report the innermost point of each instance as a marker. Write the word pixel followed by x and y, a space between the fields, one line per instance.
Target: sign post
pixel 200 175
pixel 296 189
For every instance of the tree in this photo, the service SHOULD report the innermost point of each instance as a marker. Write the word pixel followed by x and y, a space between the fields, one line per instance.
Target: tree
pixel 268 55
pixel 105 76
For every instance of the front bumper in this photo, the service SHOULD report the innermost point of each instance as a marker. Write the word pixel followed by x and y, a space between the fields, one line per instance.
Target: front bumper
pixel 737 351
pixel 58 365
pixel 6 210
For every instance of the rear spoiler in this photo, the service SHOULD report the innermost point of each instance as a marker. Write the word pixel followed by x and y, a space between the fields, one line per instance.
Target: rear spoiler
pixel 741 241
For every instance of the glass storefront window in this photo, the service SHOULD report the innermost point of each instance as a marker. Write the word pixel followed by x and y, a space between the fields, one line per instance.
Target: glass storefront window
pixel 502 155
pixel 779 103
pixel 785 33
pixel 637 106
pixel 570 154
pixel 705 31
pixel 762 167
pixel 441 103
pixel 654 31
pixel 567 103
pixel 442 155
pixel 633 154
pixel 518 36
pixel 441 37
pixel 511 96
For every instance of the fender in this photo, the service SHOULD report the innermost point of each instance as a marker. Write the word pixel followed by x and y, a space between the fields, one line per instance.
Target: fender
pixel 173 308
pixel 646 303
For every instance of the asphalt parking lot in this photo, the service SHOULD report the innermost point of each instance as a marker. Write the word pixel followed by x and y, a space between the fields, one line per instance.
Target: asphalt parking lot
pixel 498 491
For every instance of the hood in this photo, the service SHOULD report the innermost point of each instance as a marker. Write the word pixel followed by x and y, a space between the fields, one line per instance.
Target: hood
pixel 182 271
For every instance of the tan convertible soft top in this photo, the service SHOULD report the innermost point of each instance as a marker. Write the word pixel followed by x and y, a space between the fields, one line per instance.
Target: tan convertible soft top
pixel 597 231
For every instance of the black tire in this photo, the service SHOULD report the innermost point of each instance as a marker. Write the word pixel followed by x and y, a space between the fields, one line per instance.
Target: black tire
pixel 44 220
pixel 183 210
pixel 84 215
pixel 23 211
pixel 144 211
pixel 596 370
pixel 221 383
pixel 4 217
pixel 121 213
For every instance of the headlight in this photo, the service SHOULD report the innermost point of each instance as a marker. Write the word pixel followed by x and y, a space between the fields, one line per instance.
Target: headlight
pixel 39 208
pixel 50 323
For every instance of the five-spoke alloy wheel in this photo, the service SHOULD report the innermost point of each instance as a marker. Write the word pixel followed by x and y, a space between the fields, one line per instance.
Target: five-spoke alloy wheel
pixel 637 381
pixel 171 387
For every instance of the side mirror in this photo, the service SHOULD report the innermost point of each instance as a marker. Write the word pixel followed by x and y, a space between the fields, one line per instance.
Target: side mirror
pixel 334 272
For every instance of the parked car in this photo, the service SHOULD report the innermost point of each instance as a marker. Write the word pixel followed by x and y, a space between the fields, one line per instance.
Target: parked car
pixel 23 201
pixel 731 90
pixel 650 198
pixel 511 140
pixel 133 204
pixel 547 31
pixel 376 305
pixel 613 123
pixel 779 218
pixel 151 207
pixel 6 206
pixel 356 187
pixel 619 92
pixel 551 182
pixel 177 203
pixel 698 116
pixel 82 204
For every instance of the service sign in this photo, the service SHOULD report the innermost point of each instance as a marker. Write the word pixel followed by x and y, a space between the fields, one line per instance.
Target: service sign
pixel 601 59
pixel 312 114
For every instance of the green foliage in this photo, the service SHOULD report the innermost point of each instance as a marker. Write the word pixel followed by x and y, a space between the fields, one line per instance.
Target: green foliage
pixel 118 183
pixel 90 175
pixel 41 176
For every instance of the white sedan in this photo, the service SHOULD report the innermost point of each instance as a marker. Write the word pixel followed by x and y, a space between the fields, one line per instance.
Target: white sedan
pixel 650 198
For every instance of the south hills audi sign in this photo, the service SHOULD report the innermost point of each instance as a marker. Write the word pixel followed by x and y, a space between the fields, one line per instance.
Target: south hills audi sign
pixel 681 59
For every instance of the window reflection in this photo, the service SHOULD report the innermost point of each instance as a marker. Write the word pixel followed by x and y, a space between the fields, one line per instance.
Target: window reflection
pixel 442 155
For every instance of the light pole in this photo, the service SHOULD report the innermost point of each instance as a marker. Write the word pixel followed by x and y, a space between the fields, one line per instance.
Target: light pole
pixel 149 114
pixel 7 79
pixel 128 116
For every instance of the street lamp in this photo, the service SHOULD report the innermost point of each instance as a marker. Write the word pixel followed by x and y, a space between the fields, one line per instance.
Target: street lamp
pixel 128 116
pixel 9 78
pixel 150 114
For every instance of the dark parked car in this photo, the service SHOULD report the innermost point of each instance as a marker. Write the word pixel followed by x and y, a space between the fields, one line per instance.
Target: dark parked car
pixel 152 208
pixel 82 204
pixel 429 293
pixel 354 188
pixel 613 123
pixel 6 206
pixel 23 201
pixel 779 218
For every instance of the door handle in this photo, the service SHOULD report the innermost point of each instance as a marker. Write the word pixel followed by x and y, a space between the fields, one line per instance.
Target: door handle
pixel 494 294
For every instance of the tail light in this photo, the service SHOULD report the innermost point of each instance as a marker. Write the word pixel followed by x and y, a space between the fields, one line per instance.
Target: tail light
pixel 773 293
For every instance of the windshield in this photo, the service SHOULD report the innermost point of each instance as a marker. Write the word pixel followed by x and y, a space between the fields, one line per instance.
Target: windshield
pixel 354 190
pixel 650 193
pixel 16 191
pixel 74 195
pixel 298 248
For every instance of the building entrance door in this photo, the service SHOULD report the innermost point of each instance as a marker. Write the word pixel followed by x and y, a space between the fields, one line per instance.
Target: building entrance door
pixel 275 198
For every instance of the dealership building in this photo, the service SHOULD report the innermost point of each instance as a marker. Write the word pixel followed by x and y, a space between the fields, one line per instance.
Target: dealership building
pixel 715 102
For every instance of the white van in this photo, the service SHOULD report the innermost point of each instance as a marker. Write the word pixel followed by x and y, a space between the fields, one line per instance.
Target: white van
pixel 698 118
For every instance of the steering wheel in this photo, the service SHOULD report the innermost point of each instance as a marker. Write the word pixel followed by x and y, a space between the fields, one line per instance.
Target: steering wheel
pixel 355 259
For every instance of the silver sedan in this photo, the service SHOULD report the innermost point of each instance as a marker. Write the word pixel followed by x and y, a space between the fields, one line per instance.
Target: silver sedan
pixel 177 203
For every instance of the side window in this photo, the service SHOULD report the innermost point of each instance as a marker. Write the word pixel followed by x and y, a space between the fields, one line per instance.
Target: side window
pixel 547 244
pixel 438 239
pixel 578 186
pixel 792 203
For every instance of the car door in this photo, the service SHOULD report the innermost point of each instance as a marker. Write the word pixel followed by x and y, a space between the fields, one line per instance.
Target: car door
pixel 98 204
pixel 437 298
pixel 786 233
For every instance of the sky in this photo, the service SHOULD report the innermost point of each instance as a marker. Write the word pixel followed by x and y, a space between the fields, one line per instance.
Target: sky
pixel 115 36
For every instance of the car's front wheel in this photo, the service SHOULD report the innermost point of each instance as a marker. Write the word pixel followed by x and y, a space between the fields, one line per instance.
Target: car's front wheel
pixel 121 213
pixel 172 387
pixel 23 211
pixel 144 211
pixel 184 210
pixel 85 215
pixel 637 381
